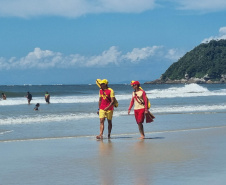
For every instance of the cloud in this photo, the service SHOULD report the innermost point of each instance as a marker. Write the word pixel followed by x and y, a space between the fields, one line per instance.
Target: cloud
pixel 174 54
pixel 71 8
pixel 201 5
pixel 112 56
pixel 138 54
pixel 77 8
pixel 222 31
pixel 46 59
pixel 221 35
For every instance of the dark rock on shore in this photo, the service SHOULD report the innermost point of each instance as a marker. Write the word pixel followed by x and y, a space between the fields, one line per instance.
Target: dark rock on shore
pixel 186 81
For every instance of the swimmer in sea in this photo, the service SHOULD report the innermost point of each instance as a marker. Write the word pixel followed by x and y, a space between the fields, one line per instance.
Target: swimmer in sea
pixel 37 106
pixel 3 96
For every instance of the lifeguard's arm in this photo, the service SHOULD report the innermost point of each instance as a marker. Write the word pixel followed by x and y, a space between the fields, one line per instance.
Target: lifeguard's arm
pixel 145 101
pixel 112 102
pixel 100 98
pixel 131 105
pixel 99 105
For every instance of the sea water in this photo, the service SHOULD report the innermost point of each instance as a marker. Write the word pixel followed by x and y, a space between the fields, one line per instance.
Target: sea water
pixel 72 111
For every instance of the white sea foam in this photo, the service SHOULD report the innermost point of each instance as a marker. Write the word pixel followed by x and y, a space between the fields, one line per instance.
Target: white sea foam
pixel 59 100
pixel 28 119
pixel 5 131
pixel 183 109
pixel 56 99
pixel 190 90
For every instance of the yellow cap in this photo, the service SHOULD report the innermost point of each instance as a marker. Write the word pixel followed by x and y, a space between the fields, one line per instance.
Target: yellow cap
pixel 104 81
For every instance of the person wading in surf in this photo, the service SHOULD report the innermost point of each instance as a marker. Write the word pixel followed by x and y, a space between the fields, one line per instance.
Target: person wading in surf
pixel 47 97
pixel 29 97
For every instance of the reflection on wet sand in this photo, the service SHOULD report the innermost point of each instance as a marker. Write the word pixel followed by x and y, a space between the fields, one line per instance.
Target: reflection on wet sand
pixel 139 161
pixel 141 172
pixel 106 162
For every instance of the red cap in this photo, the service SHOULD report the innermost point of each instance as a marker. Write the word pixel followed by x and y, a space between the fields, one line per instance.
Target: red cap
pixel 135 83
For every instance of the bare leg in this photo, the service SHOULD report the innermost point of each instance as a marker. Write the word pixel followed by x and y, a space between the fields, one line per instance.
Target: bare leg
pixel 100 136
pixel 109 128
pixel 141 129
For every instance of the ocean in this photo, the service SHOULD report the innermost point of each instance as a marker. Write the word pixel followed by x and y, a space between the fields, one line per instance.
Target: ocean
pixel 72 110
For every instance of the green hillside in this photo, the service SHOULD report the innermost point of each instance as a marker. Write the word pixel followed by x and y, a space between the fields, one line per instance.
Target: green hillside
pixel 207 59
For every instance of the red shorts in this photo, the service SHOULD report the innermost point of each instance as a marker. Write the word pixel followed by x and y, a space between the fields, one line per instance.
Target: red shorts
pixel 139 115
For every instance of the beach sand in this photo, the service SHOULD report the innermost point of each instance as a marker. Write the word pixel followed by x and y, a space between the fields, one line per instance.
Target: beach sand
pixel 195 156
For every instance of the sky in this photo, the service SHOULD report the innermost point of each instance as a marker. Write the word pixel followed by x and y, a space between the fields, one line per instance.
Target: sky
pixel 78 41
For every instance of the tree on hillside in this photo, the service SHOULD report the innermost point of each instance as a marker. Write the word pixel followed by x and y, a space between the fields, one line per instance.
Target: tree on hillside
pixel 205 59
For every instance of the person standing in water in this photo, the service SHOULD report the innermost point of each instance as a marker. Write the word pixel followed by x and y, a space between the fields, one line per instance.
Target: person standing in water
pixel 141 106
pixel 29 97
pixel 106 107
pixel 47 97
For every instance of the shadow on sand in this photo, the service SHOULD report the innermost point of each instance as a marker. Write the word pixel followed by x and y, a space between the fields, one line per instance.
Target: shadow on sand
pixel 154 138
pixel 129 137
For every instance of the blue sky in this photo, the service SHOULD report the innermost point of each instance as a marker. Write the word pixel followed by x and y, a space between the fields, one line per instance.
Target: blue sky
pixel 78 41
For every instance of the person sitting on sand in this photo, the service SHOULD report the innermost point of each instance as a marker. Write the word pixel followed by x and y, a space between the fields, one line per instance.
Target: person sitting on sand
pixel 3 96
pixel 47 97
pixel 37 106
pixel 141 106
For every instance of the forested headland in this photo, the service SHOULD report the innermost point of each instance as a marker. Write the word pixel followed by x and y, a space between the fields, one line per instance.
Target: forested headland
pixel 206 63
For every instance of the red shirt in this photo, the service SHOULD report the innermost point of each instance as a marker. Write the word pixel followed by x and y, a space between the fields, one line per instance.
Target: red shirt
pixel 106 96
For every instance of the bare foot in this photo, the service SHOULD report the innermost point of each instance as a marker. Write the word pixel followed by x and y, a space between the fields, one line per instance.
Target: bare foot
pixel 99 137
pixel 109 136
pixel 141 137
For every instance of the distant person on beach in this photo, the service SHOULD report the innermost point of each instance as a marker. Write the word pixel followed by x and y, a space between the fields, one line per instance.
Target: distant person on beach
pixel 106 107
pixel 37 106
pixel 141 106
pixel 47 97
pixel 29 97
pixel 3 96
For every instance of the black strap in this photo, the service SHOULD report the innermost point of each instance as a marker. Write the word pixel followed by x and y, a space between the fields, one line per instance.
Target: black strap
pixel 109 98
pixel 137 97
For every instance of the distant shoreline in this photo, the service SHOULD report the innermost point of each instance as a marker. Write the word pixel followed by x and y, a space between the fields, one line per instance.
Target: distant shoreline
pixel 186 81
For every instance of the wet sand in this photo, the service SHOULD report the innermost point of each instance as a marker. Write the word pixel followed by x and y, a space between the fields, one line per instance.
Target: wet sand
pixel 176 157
